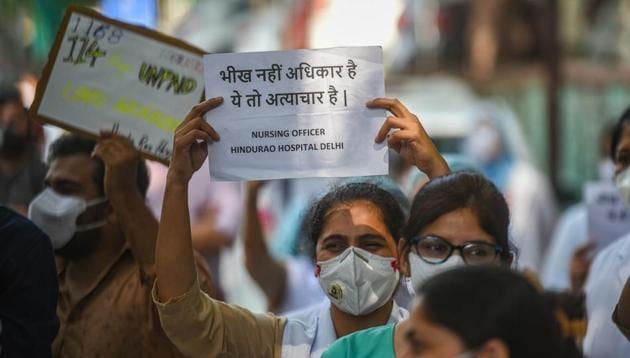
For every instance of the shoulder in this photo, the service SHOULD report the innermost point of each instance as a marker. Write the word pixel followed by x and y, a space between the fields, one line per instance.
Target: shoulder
pixel 619 248
pixel 306 317
pixel 363 343
pixel 374 333
pixel 611 262
pixel 302 327
pixel 19 233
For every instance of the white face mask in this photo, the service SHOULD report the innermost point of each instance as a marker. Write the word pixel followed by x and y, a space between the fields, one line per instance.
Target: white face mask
pixel 56 215
pixel 357 281
pixel 622 180
pixel 422 270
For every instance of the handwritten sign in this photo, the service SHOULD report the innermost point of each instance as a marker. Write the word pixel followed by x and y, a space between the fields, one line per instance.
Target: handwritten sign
pixel 103 74
pixel 608 218
pixel 296 114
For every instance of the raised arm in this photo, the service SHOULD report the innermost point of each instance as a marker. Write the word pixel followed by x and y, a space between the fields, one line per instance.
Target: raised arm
pixel 175 265
pixel 410 139
pixel 136 220
pixel 269 274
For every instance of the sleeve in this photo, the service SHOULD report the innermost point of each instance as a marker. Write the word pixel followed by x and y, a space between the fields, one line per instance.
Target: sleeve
pixel 339 349
pixel 200 326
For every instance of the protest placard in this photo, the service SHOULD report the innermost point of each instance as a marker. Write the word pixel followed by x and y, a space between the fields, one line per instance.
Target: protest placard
pixel 296 114
pixel 608 218
pixel 104 74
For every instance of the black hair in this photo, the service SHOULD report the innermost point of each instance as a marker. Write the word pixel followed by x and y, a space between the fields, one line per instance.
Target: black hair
pixel 624 119
pixel 71 144
pixel 389 208
pixel 10 94
pixel 479 303
pixel 386 183
pixel 460 190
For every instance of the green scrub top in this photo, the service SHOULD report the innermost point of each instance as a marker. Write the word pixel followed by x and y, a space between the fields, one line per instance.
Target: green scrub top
pixel 372 342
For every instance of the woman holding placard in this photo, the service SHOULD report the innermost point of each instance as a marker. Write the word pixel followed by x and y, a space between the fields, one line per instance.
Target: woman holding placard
pixel 355 229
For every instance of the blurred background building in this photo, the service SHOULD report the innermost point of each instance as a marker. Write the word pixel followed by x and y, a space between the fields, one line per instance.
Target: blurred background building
pixel 523 90
pixel 561 67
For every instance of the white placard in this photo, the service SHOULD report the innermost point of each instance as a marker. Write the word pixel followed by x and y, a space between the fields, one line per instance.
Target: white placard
pixel 107 75
pixel 608 218
pixel 296 114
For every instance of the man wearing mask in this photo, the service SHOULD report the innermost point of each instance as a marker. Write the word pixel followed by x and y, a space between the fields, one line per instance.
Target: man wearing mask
pixel 611 267
pixel 93 209
pixel 21 169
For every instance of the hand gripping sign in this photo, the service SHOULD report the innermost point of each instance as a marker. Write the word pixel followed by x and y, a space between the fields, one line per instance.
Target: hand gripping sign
pixel 296 114
pixel 104 74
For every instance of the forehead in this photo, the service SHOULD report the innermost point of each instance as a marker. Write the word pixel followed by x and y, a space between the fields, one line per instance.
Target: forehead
pixel 358 213
pixel 458 226
pixel 355 219
pixel 75 167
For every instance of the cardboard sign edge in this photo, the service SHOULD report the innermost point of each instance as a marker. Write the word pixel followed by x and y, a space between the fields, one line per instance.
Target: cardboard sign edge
pixel 42 84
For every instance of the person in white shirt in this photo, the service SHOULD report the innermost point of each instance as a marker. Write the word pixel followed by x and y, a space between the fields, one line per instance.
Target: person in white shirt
pixel 611 267
pixel 570 247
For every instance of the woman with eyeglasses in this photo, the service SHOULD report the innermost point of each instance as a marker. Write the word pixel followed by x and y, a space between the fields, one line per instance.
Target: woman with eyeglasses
pixel 455 220
pixel 354 228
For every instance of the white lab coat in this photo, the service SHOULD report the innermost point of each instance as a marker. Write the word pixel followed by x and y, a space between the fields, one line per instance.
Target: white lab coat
pixel 607 277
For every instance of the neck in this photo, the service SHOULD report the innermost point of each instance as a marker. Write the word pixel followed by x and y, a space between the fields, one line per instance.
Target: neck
pixel 346 323
pixel 83 272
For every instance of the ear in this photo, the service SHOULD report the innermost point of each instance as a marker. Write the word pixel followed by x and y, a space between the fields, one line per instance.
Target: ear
pixel 403 257
pixel 494 348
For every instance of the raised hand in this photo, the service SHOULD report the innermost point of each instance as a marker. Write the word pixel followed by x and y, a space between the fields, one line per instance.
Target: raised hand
pixel 190 144
pixel 410 139
pixel 121 165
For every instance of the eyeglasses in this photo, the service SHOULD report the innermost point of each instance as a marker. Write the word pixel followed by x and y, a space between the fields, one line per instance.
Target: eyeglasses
pixel 436 250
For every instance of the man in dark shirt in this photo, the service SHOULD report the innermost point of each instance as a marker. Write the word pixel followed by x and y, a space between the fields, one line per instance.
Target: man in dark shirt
pixel 21 168
pixel 28 288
